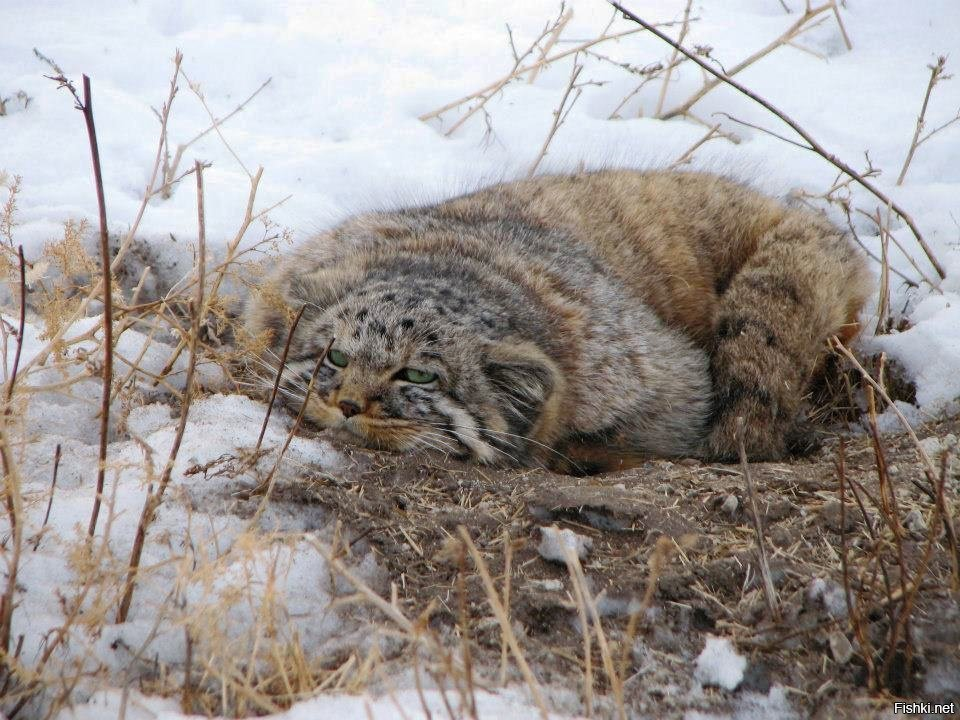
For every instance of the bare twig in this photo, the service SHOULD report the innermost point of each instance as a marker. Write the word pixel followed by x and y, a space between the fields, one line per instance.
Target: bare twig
pixel 580 580
pixel 276 384
pixel 53 488
pixel 719 77
pixel 843 29
pixel 937 73
pixel 171 171
pixel 13 499
pixel 883 298
pixel 154 498
pixel 266 486
pixel 21 326
pixel 464 625
pixel 769 591
pixel 684 29
pixel 928 467
pixel 813 145
pixel 507 575
pixel 55 341
pixel 884 228
pixel 559 115
pixel 488 91
pixel 550 42
pixel 853 608
pixel 106 282
pixel 688 154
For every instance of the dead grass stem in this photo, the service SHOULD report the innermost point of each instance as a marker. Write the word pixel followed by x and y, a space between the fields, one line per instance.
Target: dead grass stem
pixel 811 144
pixel 503 618
pixel 937 74
pixel 154 498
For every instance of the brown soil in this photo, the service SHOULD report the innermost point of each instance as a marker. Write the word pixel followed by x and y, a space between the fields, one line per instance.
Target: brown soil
pixel 409 508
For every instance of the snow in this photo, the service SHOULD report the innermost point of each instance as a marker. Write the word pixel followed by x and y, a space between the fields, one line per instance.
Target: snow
pixel 336 132
pixel 829 595
pixel 719 664
pixel 504 704
pixel 555 541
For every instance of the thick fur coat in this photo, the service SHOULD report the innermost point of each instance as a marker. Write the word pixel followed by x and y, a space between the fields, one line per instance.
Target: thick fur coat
pixel 580 321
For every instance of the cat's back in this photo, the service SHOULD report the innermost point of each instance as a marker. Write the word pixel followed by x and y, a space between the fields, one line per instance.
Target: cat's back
pixel 674 239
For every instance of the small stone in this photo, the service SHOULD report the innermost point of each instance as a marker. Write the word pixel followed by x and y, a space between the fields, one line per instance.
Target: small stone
pixel 730 504
pixel 781 536
pixel 548 585
pixel 830 515
pixel 915 523
pixel 931 446
pixel 840 647
pixel 893 470
pixel 778 509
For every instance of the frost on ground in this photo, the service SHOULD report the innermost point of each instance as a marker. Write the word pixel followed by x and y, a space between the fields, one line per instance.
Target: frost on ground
pixel 258 574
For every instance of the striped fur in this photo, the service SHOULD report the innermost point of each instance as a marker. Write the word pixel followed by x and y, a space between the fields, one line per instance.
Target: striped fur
pixel 590 319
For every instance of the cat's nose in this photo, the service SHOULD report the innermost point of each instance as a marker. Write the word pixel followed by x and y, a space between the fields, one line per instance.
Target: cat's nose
pixel 348 407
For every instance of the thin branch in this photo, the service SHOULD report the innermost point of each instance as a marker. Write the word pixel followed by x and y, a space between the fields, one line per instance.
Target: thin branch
pixel 763 130
pixel 106 282
pixel 936 75
pixel 493 598
pixel 551 41
pixel 769 591
pixel 928 468
pixel 559 115
pixel 276 384
pixel 688 154
pixel 722 76
pixel 684 29
pixel 12 490
pixel 578 578
pixel 875 218
pixel 53 489
pixel 171 171
pixel 843 29
pixel 56 340
pixel 154 498
pixel 266 487
pixel 814 146
pixel 21 326
pixel 489 90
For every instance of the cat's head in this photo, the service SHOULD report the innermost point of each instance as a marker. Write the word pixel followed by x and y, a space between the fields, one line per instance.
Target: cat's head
pixel 413 361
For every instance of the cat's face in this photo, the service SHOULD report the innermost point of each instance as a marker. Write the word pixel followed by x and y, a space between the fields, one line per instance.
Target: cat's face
pixel 411 368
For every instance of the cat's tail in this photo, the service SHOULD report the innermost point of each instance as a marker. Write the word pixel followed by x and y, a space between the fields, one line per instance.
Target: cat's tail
pixel 805 282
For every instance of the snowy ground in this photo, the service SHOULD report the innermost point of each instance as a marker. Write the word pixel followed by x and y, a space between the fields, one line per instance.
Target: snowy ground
pixel 337 131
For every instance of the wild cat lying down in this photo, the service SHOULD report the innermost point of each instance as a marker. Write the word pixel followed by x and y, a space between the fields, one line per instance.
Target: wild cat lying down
pixel 575 321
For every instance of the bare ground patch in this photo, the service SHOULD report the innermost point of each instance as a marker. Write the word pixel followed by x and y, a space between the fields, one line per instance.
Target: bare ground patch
pixel 898 636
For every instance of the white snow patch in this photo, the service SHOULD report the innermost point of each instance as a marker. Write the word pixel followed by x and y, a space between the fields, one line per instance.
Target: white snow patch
pixel 720 664
pixel 507 703
pixel 554 540
pixel 829 595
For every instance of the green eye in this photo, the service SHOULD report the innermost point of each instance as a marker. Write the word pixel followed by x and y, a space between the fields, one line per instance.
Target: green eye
pixel 416 376
pixel 338 358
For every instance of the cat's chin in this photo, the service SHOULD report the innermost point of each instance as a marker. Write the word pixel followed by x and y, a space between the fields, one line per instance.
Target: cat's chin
pixel 402 437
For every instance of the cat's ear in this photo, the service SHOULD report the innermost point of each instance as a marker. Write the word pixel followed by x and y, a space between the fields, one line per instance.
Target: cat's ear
pixel 323 287
pixel 528 385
